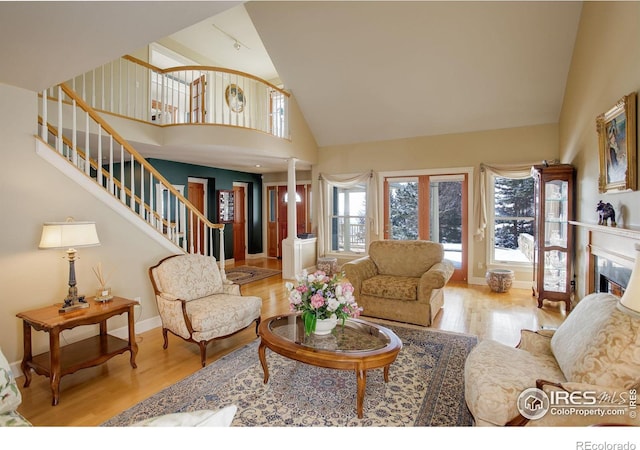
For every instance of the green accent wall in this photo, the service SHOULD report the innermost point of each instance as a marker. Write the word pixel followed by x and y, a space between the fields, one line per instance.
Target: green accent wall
pixel 178 174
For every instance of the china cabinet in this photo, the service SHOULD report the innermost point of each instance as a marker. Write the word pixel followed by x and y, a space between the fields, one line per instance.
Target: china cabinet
pixel 554 208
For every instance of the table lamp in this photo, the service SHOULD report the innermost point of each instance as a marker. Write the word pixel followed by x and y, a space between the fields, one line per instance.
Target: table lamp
pixel 69 235
pixel 630 301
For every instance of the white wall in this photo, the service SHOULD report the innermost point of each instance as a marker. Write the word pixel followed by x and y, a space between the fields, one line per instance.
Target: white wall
pixel 605 67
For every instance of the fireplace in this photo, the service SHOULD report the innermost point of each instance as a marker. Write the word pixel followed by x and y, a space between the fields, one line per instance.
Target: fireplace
pixel 611 257
pixel 610 276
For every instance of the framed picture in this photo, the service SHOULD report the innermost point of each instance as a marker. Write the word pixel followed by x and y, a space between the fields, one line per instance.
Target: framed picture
pixel 226 209
pixel 617 146
pixel 234 95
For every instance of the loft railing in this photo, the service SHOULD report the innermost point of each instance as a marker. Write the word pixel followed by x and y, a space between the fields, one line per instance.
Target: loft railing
pixel 73 129
pixel 184 95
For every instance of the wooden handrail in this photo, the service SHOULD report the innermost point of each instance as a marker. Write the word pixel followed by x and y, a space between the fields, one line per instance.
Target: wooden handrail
pixel 135 60
pixel 137 156
pixel 93 163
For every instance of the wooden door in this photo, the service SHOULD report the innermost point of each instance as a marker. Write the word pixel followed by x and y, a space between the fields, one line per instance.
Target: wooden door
pixel 197 237
pixel 239 225
pixel 196 89
pixel 272 222
pixel 282 218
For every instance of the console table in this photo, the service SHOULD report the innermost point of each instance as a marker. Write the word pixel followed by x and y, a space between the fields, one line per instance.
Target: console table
pixel 58 362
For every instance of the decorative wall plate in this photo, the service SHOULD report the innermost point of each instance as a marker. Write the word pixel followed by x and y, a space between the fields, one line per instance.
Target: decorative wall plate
pixel 235 98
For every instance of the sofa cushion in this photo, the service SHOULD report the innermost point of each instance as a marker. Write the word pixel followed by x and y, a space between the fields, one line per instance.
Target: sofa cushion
pixel 393 287
pixel 10 397
pixel 405 258
pixel 189 277
pixel 496 374
pixel 598 344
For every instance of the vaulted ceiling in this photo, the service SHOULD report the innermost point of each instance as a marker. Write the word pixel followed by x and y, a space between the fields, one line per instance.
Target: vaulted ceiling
pixel 360 71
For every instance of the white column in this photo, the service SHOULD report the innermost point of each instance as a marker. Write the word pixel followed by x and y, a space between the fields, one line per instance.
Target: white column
pixel 291 246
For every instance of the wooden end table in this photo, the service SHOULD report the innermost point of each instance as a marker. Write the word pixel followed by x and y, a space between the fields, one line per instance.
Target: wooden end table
pixel 358 346
pixel 90 352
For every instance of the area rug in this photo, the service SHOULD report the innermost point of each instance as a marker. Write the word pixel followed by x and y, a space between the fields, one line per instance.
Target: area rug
pixel 425 388
pixel 246 274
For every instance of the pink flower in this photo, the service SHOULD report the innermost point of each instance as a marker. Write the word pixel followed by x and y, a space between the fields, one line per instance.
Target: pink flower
pixel 302 288
pixel 317 301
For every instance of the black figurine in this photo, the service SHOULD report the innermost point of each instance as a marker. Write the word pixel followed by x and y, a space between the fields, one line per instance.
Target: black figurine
pixel 606 213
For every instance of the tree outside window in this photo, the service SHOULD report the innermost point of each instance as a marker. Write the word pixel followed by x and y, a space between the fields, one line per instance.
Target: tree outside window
pixel 513 204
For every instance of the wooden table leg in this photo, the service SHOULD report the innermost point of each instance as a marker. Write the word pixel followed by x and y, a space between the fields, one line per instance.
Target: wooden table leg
pixel 132 338
pixel 28 356
pixel 263 360
pixel 386 373
pixel 361 377
pixel 54 365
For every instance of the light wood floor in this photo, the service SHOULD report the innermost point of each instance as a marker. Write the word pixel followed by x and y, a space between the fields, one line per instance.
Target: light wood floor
pixel 91 396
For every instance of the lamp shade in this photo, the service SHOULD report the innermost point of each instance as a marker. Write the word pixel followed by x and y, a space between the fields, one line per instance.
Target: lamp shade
pixel 69 235
pixel 630 301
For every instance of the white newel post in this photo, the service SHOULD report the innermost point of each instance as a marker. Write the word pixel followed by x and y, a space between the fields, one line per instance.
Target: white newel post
pixel 221 234
pixel 291 246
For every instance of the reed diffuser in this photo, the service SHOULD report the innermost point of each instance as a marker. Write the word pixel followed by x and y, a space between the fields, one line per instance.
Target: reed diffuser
pixel 103 294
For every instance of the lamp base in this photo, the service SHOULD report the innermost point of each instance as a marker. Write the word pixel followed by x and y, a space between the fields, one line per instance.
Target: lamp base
pixel 73 304
pixel 629 311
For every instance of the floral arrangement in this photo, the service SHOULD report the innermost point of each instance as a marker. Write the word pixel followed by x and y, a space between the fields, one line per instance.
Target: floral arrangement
pixel 319 296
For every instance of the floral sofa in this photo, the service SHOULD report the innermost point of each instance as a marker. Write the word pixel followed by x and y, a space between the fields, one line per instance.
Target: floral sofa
pixel 10 397
pixel 595 352
pixel 196 304
pixel 400 280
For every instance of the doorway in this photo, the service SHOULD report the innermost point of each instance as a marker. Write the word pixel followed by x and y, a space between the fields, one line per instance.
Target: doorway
pixel 430 207
pixel 240 222
pixel 197 195
pixel 277 222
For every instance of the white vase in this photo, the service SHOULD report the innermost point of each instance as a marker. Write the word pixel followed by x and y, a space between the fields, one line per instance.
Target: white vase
pixel 325 326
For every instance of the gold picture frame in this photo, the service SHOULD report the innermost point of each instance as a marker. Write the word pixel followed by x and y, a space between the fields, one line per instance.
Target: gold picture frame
pixel 617 146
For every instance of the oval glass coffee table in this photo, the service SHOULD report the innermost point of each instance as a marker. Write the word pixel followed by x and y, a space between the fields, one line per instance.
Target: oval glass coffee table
pixel 357 346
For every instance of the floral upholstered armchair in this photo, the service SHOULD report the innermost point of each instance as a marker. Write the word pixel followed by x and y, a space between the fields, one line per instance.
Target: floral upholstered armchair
pixel 196 304
pixel 10 397
pixel 594 352
pixel 400 280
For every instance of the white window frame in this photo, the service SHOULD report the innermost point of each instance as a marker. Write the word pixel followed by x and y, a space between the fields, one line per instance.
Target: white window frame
pixel 491 222
pixel 332 216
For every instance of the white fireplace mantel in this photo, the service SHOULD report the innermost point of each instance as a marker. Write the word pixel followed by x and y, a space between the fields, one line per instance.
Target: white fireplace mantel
pixel 612 243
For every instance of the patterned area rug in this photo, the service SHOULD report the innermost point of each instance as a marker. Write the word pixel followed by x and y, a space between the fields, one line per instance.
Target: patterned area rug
pixel 425 388
pixel 246 274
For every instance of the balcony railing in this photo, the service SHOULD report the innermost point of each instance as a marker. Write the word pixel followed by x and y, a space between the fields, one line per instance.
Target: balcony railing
pixel 135 89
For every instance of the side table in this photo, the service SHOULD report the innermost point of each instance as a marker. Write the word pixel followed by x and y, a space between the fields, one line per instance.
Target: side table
pixel 93 351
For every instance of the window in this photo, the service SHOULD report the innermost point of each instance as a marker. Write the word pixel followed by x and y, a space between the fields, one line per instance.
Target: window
pixel 513 227
pixel 348 219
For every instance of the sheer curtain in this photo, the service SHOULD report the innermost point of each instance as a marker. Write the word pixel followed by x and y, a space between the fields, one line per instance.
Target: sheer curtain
pixel 518 172
pixel 326 183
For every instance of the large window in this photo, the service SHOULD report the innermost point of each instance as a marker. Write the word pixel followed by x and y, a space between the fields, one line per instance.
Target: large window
pixel 513 227
pixel 348 219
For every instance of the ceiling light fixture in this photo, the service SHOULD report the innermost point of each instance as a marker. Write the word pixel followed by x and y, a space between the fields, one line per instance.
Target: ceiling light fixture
pixel 237 44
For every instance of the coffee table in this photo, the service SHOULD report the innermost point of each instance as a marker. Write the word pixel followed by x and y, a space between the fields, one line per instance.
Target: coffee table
pixel 357 346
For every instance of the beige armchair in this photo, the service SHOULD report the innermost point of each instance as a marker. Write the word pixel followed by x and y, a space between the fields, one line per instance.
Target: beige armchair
pixel 595 353
pixel 401 280
pixel 196 304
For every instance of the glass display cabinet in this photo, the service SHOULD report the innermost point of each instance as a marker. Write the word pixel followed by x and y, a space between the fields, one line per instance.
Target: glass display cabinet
pixel 553 251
